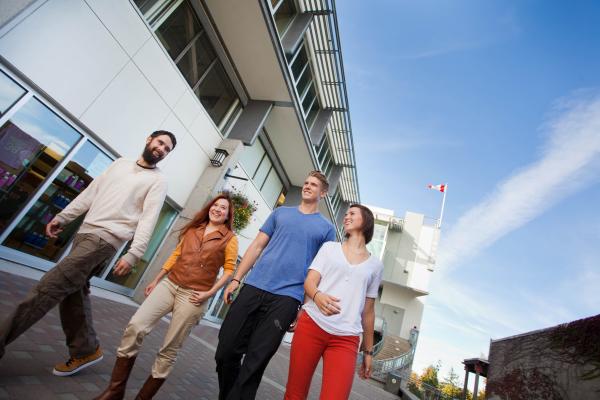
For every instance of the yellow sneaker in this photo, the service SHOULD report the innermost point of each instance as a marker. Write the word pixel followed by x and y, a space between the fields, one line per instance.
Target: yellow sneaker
pixel 74 365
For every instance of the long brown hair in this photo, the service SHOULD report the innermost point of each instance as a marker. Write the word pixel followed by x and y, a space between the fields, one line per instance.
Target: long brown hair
pixel 201 216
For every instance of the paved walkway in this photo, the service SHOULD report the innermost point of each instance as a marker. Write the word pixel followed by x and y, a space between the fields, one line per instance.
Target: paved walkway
pixel 25 370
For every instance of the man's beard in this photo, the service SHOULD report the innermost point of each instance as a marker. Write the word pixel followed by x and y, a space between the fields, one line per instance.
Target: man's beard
pixel 149 157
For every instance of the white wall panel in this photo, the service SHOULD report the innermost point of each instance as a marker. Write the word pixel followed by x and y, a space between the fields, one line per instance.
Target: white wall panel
pixel 72 59
pixel 124 23
pixel 188 108
pixel 205 132
pixel 126 112
pixel 185 164
pixel 158 68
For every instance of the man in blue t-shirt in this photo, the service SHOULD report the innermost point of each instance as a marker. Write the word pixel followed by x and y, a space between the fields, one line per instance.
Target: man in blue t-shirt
pixel 269 301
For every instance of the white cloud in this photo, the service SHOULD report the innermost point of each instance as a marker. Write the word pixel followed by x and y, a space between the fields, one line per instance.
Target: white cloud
pixel 569 160
pixel 463 316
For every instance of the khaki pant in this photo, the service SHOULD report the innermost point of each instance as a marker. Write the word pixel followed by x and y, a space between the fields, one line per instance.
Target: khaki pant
pixel 165 297
pixel 65 284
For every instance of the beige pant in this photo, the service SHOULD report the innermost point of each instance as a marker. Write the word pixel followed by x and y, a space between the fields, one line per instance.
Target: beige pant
pixel 165 297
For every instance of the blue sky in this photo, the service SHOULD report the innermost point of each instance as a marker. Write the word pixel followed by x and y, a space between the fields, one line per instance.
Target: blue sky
pixel 501 100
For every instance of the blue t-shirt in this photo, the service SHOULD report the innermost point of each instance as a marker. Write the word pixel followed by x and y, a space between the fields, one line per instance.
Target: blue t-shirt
pixel 295 239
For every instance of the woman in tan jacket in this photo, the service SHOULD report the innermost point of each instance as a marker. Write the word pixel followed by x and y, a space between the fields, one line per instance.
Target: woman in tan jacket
pixel 205 244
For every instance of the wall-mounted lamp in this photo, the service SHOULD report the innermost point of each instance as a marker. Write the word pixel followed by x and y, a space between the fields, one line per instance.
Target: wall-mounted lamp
pixel 218 158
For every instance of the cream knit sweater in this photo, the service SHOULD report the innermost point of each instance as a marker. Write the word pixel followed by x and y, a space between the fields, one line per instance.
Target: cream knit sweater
pixel 123 202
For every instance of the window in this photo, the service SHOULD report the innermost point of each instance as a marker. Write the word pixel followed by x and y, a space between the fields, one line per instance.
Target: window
pixel 377 244
pixel 283 14
pixel 336 200
pixel 32 144
pixel 305 85
pixel 10 92
pixel 178 28
pixel 163 224
pixel 29 236
pixel 260 169
pixel 324 156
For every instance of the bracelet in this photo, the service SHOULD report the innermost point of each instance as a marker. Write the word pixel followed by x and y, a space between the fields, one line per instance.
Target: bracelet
pixel 368 352
pixel 315 295
pixel 236 280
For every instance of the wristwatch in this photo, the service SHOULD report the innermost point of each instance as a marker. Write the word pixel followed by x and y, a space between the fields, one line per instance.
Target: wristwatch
pixel 368 352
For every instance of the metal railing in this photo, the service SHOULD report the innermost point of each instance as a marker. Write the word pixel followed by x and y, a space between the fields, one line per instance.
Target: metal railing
pixel 379 345
pixel 380 368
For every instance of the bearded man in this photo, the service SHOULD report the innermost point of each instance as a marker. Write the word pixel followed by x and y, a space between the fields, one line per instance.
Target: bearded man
pixel 121 204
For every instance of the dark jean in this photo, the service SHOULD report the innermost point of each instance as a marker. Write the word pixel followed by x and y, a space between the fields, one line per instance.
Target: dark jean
pixel 66 284
pixel 255 325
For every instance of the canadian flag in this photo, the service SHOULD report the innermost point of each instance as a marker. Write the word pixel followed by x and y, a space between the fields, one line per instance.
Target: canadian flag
pixel 441 188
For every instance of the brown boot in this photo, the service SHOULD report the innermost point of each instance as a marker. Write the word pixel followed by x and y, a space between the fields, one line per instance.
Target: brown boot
pixel 118 379
pixel 150 388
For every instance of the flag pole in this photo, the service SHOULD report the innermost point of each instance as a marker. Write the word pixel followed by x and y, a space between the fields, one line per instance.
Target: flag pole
pixel 443 203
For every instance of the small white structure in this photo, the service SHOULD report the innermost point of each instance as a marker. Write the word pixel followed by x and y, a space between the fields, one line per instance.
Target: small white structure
pixel 408 249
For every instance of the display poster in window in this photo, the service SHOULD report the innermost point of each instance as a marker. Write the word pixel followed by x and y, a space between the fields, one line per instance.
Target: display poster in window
pixel 17 147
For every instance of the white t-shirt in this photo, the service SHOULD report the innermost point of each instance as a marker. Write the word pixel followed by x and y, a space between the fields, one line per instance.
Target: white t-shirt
pixel 350 283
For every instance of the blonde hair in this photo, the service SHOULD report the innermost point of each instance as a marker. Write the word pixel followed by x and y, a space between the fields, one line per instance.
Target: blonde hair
pixel 322 178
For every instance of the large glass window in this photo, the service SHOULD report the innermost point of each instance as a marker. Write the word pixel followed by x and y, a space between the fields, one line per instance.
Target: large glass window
pixel 305 85
pixel 260 169
pixel 165 220
pixel 217 94
pixel 181 33
pixel 29 234
pixel 283 13
pixel 10 92
pixel 44 164
pixel 178 30
pixel 32 143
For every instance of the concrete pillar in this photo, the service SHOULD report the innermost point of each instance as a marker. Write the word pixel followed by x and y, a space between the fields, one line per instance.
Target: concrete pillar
pixel 318 129
pixel 334 178
pixel 476 383
pixel 464 396
pixel 249 124
pixel 210 183
pixel 294 34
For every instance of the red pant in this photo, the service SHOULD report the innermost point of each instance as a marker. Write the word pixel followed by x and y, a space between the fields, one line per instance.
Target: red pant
pixel 339 361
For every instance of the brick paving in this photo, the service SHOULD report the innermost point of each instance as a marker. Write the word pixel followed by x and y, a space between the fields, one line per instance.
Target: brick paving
pixel 26 369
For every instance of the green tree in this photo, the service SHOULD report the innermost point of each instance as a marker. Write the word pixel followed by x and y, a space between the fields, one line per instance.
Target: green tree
pixel 430 375
pixel 449 387
pixel 414 384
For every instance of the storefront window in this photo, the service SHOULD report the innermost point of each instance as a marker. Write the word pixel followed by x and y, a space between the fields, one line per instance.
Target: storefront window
pixel 165 219
pixel 29 235
pixel 32 143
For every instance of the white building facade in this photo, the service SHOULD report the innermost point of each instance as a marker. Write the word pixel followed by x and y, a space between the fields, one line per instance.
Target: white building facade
pixel 408 248
pixel 83 82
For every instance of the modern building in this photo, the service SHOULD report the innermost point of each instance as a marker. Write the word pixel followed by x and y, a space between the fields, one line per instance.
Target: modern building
pixel 408 248
pixel 83 82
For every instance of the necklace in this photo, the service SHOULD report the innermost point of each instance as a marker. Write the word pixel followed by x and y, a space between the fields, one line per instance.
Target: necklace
pixel 141 166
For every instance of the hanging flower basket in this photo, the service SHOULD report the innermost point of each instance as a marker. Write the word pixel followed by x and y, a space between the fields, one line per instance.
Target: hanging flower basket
pixel 243 210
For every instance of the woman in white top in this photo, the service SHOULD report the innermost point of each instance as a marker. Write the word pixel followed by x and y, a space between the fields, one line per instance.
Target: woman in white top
pixel 341 288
